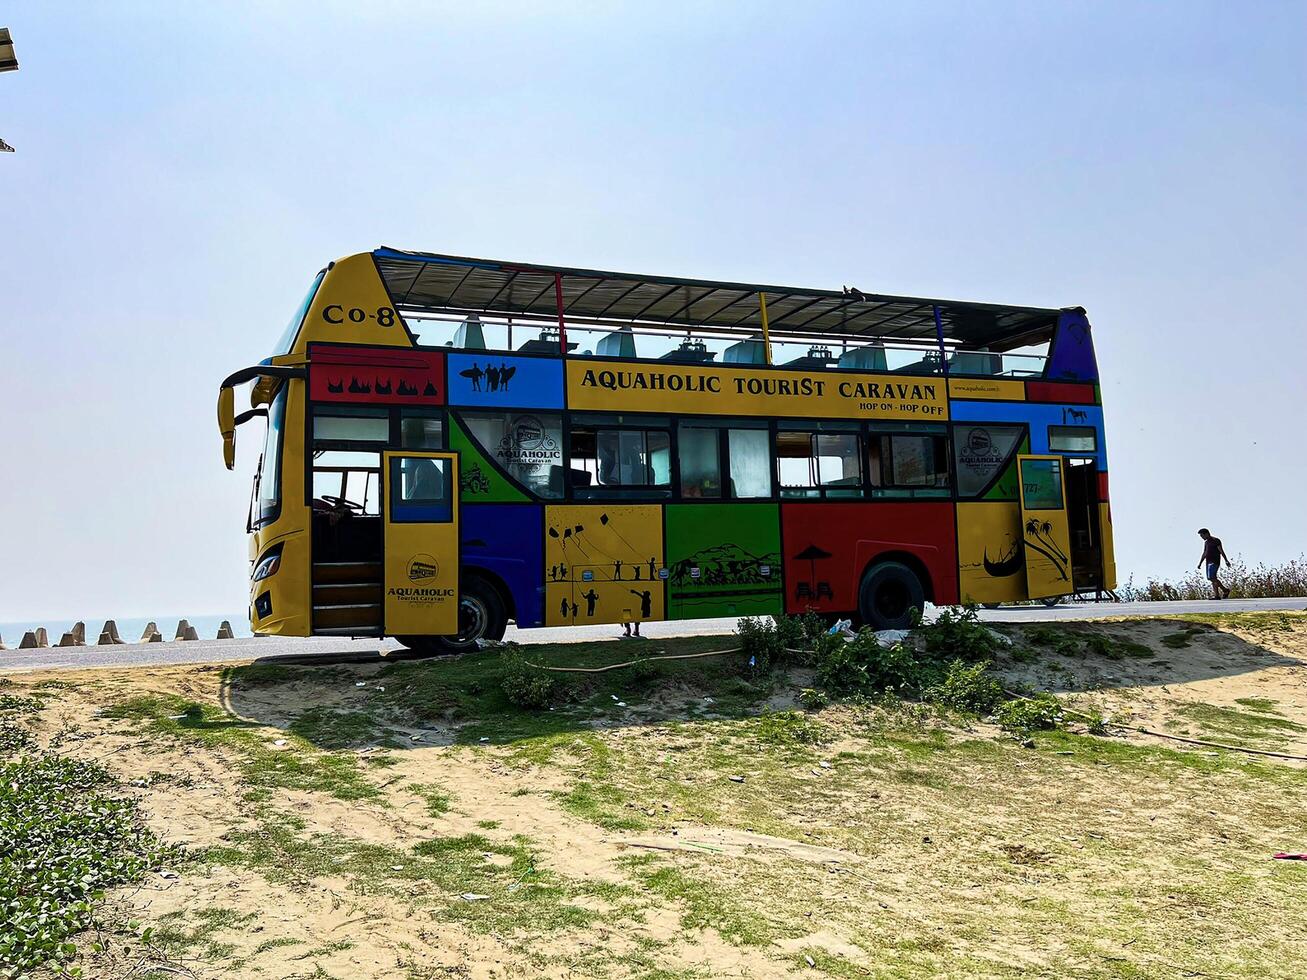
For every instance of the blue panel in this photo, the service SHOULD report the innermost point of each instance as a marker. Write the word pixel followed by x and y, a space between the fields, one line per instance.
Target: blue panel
pixel 509 540
pixel 493 380
pixel 1039 416
pixel 1072 355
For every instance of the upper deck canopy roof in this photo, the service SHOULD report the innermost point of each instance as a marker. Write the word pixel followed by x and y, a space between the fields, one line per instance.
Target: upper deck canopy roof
pixel 421 281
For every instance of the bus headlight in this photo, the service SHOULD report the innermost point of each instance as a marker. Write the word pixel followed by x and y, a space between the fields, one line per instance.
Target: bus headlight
pixel 267 565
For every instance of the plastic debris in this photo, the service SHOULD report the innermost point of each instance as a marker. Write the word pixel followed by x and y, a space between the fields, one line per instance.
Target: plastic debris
pixel 613 696
pixel 473 897
pixel 1283 856
pixel 1002 639
pixel 809 960
pixel 280 741
pixel 168 874
pixel 825 765
pixel 737 779
pixel 887 638
pixel 360 683
pixel 621 704
pixel 484 738
pixel 708 700
pixel 397 867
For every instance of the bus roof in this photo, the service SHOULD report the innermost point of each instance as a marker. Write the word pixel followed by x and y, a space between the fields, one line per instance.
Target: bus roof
pixel 423 281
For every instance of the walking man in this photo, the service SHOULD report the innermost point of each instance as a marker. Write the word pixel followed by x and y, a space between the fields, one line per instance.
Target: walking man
pixel 1213 555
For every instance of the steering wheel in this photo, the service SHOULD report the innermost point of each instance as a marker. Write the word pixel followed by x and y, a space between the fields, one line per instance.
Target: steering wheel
pixel 342 503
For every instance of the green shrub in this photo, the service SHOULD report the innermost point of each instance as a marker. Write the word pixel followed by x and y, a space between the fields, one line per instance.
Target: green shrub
pixel 1021 716
pixel 959 636
pixel 790 727
pixel 13 738
pixel 863 666
pixel 64 839
pixel 780 640
pixel 968 687
pixel 813 697
pixel 526 686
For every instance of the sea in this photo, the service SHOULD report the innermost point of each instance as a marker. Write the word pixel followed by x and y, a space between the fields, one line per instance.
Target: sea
pixel 130 628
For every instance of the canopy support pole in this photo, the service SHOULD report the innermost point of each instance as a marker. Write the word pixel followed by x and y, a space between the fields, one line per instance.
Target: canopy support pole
pixel 558 300
pixel 766 331
pixel 939 336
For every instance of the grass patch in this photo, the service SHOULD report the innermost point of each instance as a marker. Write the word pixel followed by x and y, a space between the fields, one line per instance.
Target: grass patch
pixel 65 836
pixel 265 766
pixel 328 728
pixel 13 738
pixel 1241 727
pixel 1263 705
pixel 436 799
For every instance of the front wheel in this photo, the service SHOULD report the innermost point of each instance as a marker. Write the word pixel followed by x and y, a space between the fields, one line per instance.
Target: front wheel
pixel 1051 600
pixel 481 616
pixel 891 597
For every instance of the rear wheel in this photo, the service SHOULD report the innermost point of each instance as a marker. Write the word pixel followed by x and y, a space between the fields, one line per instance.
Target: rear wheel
pixel 1051 600
pixel 481 616
pixel 891 596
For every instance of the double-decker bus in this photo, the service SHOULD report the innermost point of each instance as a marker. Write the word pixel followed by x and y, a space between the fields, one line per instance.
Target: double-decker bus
pixel 455 443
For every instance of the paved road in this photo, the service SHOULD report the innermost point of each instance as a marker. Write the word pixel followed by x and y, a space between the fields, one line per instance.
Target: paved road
pixel 250 648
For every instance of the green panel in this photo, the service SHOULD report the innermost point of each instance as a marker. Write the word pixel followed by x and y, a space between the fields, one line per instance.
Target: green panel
pixel 737 551
pixel 479 481
pixel 1005 488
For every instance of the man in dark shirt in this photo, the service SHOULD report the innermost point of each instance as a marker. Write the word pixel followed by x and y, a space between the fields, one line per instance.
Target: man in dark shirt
pixel 1213 554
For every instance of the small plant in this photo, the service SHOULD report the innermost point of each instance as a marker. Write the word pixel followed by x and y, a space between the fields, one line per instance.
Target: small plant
pixel 813 698
pixel 1058 640
pixel 969 688
pixel 526 686
pixel 959 636
pixel 790 728
pixel 13 738
pixel 1021 716
pixel 863 666
pixel 769 642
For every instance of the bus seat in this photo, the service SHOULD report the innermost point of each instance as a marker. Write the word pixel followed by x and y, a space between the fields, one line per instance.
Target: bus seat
pixel 869 358
pixel 751 351
pixel 975 362
pixel 469 334
pixel 580 478
pixel 619 343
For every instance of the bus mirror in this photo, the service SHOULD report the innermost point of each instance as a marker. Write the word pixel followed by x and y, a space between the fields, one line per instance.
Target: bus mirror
pixel 227 425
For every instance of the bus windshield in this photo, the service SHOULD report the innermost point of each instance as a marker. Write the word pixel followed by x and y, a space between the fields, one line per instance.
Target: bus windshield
pixel 288 335
pixel 267 482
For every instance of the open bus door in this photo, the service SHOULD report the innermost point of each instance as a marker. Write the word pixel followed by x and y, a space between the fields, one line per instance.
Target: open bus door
pixel 1045 528
pixel 420 586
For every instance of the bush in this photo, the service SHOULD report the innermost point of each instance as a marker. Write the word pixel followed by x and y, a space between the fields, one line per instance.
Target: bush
pixel 526 686
pixel 813 697
pixel 773 641
pixel 790 727
pixel 1245 582
pixel 959 636
pixel 1021 716
pixel 13 738
pixel 64 838
pixel 863 666
pixel 969 688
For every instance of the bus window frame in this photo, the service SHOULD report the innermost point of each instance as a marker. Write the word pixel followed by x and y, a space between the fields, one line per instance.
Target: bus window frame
pixel 277 407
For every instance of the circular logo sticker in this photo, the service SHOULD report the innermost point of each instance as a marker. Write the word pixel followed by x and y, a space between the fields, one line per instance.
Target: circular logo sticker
pixel 422 568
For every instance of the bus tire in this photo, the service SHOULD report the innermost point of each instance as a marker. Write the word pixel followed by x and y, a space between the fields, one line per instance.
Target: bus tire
pixel 1049 601
pixel 481 616
pixel 891 596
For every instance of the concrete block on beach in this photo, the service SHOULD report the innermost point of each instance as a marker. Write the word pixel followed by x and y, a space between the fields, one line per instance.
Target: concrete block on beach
pixel 150 632
pixel 42 637
pixel 109 635
pixel 75 637
pixel 155 637
pixel 225 632
pixel 28 642
pixel 185 631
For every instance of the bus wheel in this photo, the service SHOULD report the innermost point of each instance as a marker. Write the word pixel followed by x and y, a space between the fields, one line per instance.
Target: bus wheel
pixel 1051 600
pixel 481 616
pixel 891 597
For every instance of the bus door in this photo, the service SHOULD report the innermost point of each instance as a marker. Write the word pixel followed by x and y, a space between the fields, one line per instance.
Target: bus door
pixel 420 570
pixel 1045 531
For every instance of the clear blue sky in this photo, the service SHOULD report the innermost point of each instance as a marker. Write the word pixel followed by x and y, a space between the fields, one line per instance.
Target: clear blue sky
pixel 182 171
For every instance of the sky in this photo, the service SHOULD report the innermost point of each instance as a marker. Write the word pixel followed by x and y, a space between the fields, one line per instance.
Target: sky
pixel 183 170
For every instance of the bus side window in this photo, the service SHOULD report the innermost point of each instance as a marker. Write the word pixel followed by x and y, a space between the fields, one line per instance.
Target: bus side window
pixel 749 451
pixel 818 464
pixel 908 462
pixel 700 457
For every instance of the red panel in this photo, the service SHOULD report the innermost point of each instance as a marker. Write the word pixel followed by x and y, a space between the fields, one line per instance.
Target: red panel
pixel 1059 391
pixel 827 546
pixel 1102 487
pixel 377 375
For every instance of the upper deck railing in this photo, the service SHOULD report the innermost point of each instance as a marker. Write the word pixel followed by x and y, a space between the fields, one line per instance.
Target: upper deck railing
pixel 709 346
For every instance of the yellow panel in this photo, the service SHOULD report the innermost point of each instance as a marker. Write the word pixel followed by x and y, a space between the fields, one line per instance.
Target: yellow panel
pixel 352 307
pixel 1109 550
pixel 987 388
pixel 603 563
pixel 421 564
pixel 991 567
pixel 617 386
pixel 1047 533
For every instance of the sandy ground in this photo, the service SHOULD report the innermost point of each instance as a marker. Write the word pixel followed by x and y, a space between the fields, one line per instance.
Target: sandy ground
pixel 666 843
